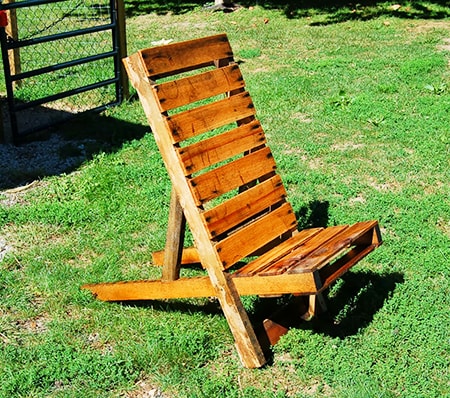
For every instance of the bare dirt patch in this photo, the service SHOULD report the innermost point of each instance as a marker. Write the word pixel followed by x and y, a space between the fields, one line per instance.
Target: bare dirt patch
pixel 444 226
pixel 445 46
pixel 145 389
pixel 346 146
pixel 429 25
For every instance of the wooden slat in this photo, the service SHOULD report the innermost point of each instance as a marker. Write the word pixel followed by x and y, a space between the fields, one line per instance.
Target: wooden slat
pixel 201 287
pixel 187 55
pixel 225 178
pixel 330 273
pixel 224 146
pixel 208 117
pixel 188 256
pixel 176 93
pixel 294 257
pixel 243 206
pixel 330 250
pixel 255 235
pixel 265 260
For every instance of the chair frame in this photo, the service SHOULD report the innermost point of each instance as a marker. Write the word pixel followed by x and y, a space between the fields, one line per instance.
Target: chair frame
pixel 289 262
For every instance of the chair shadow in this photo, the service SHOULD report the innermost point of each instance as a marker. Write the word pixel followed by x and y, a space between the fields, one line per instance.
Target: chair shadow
pixel 313 215
pixel 352 305
pixel 352 301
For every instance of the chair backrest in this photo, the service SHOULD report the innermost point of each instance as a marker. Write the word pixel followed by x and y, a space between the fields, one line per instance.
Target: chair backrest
pixel 213 146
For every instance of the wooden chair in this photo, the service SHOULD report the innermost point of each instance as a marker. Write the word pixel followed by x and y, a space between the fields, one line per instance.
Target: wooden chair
pixel 224 183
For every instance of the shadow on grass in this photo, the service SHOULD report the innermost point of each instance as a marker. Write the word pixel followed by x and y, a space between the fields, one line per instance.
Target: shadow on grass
pixel 344 10
pixel 313 215
pixel 63 148
pixel 352 301
pixel 352 304
pixel 337 10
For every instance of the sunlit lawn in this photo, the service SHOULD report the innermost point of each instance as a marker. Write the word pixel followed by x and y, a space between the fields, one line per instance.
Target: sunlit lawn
pixel 357 114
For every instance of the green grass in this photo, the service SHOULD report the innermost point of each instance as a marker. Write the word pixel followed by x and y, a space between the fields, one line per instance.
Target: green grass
pixel 357 114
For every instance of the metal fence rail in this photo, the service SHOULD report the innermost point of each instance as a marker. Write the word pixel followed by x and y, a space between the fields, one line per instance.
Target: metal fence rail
pixel 60 58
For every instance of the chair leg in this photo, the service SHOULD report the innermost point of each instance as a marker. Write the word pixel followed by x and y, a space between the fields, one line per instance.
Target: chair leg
pixel 174 240
pixel 316 305
pixel 247 344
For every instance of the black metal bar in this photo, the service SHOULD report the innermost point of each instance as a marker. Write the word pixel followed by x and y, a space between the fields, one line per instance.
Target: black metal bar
pixel 63 65
pixel 59 36
pixel 7 43
pixel 64 94
pixel 8 83
pixel 29 3
pixel 115 43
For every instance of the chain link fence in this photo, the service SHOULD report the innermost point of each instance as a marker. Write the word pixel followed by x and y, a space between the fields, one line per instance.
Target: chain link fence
pixel 60 58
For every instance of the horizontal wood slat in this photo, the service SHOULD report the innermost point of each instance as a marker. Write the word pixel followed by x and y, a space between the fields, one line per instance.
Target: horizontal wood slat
pixel 201 287
pixel 225 178
pixel 208 117
pixel 260 232
pixel 178 57
pixel 304 251
pixel 224 146
pixel 194 88
pixel 189 256
pixel 282 250
pixel 243 206
pixel 333 248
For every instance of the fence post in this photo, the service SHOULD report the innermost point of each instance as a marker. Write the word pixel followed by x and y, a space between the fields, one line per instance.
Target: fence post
pixel 13 32
pixel 121 28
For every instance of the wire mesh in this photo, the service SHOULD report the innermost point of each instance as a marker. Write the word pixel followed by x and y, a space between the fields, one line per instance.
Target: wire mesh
pixel 56 47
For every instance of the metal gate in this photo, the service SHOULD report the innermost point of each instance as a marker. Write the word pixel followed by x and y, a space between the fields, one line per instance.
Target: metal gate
pixel 60 58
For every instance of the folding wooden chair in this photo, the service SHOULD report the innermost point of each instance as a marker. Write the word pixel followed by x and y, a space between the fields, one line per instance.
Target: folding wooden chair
pixel 224 183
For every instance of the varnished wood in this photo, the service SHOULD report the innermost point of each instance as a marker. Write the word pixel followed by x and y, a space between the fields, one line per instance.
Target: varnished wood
pixel 251 237
pixel 208 152
pixel 204 118
pixel 280 251
pixel 231 176
pixel 189 255
pixel 225 186
pixel 240 208
pixel 331 249
pixel 202 287
pixel 295 257
pixel 188 55
pixel 174 240
pixel 177 93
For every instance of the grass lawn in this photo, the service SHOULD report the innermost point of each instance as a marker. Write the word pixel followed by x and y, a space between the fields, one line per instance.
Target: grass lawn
pixel 356 107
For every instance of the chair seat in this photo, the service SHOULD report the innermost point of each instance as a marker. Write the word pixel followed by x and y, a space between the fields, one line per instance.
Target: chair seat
pixel 313 249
